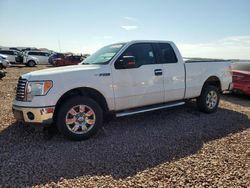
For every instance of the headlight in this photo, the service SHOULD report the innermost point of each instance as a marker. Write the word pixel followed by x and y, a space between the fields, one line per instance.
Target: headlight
pixel 38 88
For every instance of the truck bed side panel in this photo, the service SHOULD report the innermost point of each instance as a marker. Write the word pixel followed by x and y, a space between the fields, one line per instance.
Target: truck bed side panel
pixel 197 73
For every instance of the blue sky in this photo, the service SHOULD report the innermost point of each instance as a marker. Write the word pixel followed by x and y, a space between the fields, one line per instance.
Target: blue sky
pixel 201 28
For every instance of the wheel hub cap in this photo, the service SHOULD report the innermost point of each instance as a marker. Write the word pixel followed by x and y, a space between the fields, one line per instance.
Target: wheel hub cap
pixel 211 99
pixel 80 119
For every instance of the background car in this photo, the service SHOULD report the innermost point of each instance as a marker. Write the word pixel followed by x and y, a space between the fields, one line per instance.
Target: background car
pixel 4 63
pixel 68 60
pixel 11 55
pixel 241 78
pixel 54 56
pixel 43 57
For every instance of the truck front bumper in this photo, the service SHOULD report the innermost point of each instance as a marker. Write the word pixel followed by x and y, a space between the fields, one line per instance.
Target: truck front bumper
pixel 40 115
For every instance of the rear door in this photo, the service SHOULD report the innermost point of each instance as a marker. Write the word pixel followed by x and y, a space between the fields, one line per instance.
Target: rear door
pixel 140 84
pixel 173 71
pixel 44 57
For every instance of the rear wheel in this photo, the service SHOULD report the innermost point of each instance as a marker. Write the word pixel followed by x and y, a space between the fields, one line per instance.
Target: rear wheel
pixel 209 99
pixel 79 118
pixel 31 63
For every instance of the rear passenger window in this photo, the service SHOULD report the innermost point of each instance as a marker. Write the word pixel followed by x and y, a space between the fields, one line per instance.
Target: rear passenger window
pixel 6 52
pixel 3 52
pixel 33 53
pixel 43 54
pixel 167 53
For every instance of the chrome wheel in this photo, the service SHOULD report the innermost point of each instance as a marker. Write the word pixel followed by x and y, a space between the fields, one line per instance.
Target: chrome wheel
pixel 211 99
pixel 80 119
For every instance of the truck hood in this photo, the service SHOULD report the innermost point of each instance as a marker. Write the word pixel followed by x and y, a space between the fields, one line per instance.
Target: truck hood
pixel 53 72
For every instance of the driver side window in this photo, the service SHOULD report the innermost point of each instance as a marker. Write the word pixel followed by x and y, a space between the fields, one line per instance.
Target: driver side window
pixel 135 56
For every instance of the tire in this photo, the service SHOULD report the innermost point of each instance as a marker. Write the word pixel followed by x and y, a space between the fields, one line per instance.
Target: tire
pixel 1 66
pixel 209 99
pixel 31 63
pixel 2 74
pixel 83 121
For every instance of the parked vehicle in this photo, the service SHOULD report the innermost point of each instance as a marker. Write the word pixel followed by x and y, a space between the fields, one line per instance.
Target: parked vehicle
pixel 4 63
pixel 68 60
pixel 43 57
pixel 30 61
pixel 241 78
pixel 54 56
pixel 11 55
pixel 121 79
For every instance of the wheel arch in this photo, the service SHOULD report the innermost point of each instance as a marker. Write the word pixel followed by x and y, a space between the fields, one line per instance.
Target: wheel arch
pixel 31 60
pixel 214 81
pixel 83 91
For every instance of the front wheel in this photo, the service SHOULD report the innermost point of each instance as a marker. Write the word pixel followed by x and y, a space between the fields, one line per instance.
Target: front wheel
pixel 79 118
pixel 209 99
pixel 31 63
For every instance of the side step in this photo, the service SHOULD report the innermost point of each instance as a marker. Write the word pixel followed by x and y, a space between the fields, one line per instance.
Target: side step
pixel 148 108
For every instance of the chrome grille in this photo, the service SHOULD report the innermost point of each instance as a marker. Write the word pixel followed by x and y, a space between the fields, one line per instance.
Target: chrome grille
pixel 20 90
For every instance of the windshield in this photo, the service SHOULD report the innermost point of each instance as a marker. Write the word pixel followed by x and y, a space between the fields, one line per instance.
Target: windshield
pixel 104 55
pixel 241 66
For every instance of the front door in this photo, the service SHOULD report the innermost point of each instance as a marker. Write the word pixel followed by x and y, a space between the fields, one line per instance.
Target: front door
pixel 140 82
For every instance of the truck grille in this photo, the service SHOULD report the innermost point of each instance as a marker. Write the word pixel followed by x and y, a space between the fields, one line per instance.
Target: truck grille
pixel 20 90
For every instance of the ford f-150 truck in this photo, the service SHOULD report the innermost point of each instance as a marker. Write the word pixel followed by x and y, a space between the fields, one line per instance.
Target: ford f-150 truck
pixel 122 79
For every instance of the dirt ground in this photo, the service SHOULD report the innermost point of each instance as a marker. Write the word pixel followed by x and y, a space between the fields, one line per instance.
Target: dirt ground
pixel 179 147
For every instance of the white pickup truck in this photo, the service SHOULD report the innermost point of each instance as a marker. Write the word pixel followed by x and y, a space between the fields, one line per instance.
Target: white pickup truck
pixel 121 79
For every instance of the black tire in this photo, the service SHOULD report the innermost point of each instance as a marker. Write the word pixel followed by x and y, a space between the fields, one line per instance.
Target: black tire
pixel 2 74
pixel 31 63
pixel 1 66
pixel 202 99
pixel 64 109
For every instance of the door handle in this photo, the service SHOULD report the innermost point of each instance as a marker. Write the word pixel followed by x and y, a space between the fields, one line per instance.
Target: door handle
pixel 158 72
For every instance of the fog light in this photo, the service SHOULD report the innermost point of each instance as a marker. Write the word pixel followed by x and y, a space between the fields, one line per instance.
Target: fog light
pixel 30 116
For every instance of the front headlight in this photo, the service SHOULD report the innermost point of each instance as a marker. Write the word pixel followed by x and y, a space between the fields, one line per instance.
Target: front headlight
pixel 38 88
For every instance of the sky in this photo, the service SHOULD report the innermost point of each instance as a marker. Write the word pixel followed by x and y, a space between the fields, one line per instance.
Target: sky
pixel 200 28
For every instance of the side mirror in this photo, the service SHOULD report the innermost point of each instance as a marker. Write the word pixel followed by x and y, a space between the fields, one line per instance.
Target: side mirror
pixel 126 62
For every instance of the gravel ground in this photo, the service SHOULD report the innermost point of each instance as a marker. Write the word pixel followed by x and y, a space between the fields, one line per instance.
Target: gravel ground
pixel 178 147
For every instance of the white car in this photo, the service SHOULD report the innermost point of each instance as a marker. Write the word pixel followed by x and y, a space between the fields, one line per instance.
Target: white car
pixel 122 79
pixel 43 57
pixel 4 63
pixel 11 55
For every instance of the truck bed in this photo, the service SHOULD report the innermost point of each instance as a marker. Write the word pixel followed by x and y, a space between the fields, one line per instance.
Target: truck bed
pixel 197 72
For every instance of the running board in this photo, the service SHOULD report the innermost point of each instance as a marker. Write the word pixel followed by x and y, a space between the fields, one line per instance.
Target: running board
pixel 148 108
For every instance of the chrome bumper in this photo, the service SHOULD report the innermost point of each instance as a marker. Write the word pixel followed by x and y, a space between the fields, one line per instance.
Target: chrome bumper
pixel 41 115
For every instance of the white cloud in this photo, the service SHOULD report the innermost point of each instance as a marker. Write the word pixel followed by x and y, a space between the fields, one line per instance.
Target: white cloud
pixel 129 27
pixel 131 19
pixel 233 47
